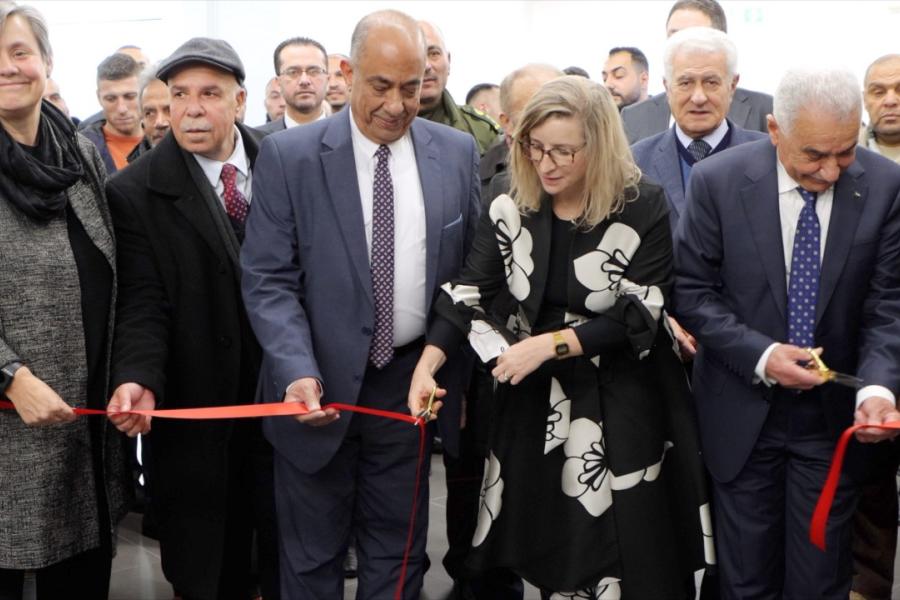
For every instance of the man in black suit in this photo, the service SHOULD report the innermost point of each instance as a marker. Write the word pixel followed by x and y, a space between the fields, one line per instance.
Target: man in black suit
pixel 748 109
pixel 780 250
pixel 182 337
pixel 301 67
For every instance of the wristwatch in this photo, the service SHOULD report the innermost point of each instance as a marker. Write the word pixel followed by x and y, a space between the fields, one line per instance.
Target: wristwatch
pixel 7 372
pixel 561 347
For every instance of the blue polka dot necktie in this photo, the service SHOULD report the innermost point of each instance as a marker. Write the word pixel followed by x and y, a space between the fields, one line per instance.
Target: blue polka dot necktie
pixel 382 349
pixel 804 283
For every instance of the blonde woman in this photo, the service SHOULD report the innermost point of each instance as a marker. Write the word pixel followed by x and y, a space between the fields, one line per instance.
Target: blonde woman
pixel 593 486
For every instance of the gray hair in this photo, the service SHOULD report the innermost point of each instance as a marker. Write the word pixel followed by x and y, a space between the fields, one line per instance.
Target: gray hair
pixel 35 21
pixel 833 91
pixel 383 18
pixel 702 40
pixel 147 76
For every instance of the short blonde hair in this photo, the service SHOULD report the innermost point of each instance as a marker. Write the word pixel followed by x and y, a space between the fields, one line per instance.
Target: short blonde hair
pixel 611 177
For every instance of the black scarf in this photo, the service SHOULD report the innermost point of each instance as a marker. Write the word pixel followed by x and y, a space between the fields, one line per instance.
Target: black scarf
pixel 35 180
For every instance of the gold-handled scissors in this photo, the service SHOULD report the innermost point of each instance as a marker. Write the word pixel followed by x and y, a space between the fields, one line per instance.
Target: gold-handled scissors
pixel 827 374
pixel 429 407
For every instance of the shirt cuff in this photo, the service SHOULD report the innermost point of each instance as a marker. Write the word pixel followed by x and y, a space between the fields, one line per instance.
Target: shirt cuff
pixel 871 391
pixel 760 370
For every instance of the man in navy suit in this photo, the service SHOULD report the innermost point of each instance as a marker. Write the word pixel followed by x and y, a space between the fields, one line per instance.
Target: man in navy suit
pixel 700 79
pixel 780 249
pixel 340 205
pixel 748 109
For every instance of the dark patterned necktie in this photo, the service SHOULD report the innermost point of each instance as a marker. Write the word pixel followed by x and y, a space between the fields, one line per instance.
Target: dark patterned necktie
pixel 699 150
pixel 236 205
pixel 803 289
pixel 382 349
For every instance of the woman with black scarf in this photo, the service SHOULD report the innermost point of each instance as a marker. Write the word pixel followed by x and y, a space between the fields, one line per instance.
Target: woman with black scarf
pixel 63 480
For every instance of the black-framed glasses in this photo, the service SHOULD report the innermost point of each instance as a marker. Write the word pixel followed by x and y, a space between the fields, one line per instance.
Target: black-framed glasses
pixel 297 72
pixel 559 155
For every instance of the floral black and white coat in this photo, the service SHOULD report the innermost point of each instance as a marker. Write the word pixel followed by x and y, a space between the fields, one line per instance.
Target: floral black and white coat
pixel 569 442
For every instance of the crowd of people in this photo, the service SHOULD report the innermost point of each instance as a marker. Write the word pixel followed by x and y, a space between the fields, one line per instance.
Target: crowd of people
pixel 612 309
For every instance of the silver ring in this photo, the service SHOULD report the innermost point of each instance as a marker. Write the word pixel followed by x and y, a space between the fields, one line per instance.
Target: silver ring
pixel 505 378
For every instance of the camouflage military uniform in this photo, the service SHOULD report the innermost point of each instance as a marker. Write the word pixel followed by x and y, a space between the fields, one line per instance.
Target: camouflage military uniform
pixel 465 118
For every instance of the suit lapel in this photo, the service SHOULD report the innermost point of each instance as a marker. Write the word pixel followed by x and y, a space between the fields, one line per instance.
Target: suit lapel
pixel 760 202
pixel 668 170
pixel 170 175
pixel 339 166
pixel 429 166
pixel 849 199
pixel 83 203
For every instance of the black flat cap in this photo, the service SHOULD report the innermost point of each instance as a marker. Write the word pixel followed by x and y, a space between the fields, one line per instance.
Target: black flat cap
pixel 215 53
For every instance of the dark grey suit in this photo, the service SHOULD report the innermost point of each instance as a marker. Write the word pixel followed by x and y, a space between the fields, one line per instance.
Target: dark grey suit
pixel 657 156
pixel 748 111
pixel 272 126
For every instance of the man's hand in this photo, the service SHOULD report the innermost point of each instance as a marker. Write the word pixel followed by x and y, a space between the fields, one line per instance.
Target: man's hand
pixel 420 390
pixel 36 402
pixel 875 411
pixel 686 342
pixel 131 396
pixel 522 358
pixel 308 391
pixel 783 367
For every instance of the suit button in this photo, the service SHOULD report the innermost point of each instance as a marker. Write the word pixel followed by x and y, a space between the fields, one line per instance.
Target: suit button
pixel 357 378
pixel 367 331
pixel 222 269
pixel 225 341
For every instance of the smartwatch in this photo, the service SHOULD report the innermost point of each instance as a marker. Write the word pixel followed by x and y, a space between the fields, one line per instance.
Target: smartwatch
pixel 7 372
pixel 561 347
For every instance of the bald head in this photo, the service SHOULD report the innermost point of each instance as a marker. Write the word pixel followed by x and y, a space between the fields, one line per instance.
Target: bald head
pixel 382 21
pixel 517 89
pixel 881 95
pixel 437 66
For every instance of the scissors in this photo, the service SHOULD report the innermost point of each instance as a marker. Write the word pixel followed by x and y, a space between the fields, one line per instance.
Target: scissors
pixel 833 376
pixel 429 407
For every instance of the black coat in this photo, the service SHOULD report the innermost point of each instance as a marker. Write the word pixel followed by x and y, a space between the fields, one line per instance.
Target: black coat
pixel 182 331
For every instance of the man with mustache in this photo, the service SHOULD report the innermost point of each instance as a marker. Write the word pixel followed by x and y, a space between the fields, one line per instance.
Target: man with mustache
pixel 119 129
pixel 436 103
pixel 301 65
pixel 154 104
pixel 183 339
pixel 358 219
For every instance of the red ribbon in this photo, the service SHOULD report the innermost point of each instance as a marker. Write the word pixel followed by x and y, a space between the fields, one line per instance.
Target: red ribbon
pixel 826 498
pixel 282 409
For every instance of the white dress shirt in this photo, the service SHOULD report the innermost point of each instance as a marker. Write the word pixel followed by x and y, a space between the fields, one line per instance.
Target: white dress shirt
pixel 213 170
pixel 289 122
pixel 790 203
pixel 713 139
pixel 409 227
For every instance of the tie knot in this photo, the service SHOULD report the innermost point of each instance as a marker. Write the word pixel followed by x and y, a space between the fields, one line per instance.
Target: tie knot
pixel 383 152
pixel 229 174
pixel 808 197
pixel 699 149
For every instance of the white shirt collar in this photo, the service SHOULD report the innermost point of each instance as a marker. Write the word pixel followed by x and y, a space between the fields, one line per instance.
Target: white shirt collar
pixel 213 168
pixel 369 147
pixel 713 139
pixel 786 183
pixel 289 122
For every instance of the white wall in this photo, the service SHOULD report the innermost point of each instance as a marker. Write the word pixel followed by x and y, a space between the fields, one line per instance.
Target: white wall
pixel 487 39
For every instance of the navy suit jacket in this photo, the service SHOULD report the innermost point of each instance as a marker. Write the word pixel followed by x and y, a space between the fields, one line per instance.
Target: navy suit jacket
pixel 748 111
pixel 657 156
pixel 306 276
pixel 731 291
